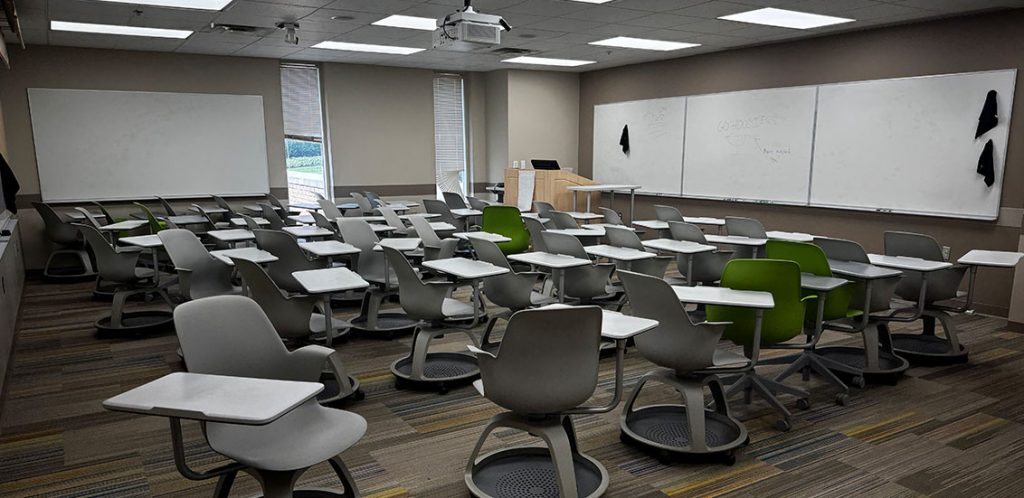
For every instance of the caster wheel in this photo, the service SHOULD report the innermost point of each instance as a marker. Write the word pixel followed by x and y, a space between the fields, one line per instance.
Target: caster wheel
pixel 858 382
pixel 803 404
pixel 783 425
pixel 359 395
pixel 729 459
pixel 842 398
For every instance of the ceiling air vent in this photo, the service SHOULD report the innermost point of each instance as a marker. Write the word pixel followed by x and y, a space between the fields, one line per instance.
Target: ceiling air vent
pixel 511 51
pixel 241 29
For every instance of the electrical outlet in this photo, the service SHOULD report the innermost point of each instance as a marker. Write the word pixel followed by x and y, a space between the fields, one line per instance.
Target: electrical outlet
pixel 945 253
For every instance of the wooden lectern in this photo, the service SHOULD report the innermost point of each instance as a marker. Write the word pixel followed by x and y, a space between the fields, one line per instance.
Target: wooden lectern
pixel 550 186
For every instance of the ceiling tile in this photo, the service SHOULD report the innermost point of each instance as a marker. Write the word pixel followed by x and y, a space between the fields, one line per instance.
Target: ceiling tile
pixel 376 6
pixel 712 10
pixel 262 14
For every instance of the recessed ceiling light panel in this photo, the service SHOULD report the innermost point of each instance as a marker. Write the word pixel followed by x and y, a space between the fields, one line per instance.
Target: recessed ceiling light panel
pixel 179 4
pixel 408 22
pixel 785 18
pixel 643 44
pixel 367 47
pixel 544 61
pixel 111 29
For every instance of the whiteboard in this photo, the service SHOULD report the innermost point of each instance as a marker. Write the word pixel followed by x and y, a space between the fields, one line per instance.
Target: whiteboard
pixel 655 158
pixel 93 144
pixel 750 146
pixel 907 145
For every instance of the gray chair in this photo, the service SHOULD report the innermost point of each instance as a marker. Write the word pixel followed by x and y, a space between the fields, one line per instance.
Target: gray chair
pixel 454 200
pixel 223 204
pixel 365 207
pixel 611 216
pixel 434 206
pixel 512 290
pixel 69 243
pixel 330 209
pixel 478 204
pixel 250 223
pixel 372 266
pixel 536 229
pixel 431 304
pixel 274 201
pixel 745 227
pixel 168 210
pixel 199 273
pixel 584 283
pixel 434 247
pixel 214 224
pixel 392 219
pixel 562 220
pixel 941 285
pixel 230 335
pixel 707 266
pixel 370 263
pixel 374 199
pixel 295 321
pixel 624 237
pixel 119 266
pixel 544 209
pixel 545 370
pixel 270 214
pixel 690 360
pixel 667 213
pixel 290 258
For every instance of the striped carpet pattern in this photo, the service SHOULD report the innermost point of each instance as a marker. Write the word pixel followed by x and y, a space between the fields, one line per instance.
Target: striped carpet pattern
pixel 942 431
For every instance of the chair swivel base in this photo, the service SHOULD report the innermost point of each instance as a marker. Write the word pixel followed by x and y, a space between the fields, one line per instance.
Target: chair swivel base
pixel 388 325
pixel 136 322
pixel 341 329
pixel 441 371
pixel 67 274
pixel 927 349
pixel 888 371
pixel 332 390
pixel 663 431
pixel 529 473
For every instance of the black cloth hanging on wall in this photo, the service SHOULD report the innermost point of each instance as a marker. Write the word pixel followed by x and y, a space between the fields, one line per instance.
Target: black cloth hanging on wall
pixel 986 164
pixel 624 139
pixel 9 183
pixel 989 114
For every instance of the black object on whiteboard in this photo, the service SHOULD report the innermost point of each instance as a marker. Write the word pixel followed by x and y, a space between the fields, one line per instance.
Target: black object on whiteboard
pixel 989 114
pixel 986 164
pixel 624 139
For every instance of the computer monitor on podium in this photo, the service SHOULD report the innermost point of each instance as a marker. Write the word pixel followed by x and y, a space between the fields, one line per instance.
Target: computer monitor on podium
pixel 544 164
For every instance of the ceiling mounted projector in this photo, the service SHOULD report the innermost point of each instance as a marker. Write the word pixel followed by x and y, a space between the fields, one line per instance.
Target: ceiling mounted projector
pixel 466 30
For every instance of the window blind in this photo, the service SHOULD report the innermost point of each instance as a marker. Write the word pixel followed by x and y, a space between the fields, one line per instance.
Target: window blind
pixel 300 98
pixel 449 133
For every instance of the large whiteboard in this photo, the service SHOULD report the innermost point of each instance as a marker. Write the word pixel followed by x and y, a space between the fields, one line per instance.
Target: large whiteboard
pixel 753 146
pixel 655 159
pixel 93 144
pixel 907 145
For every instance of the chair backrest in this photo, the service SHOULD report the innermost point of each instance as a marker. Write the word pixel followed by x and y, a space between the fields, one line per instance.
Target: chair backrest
pixel 274 201
pixel 942 284
pixel 424 231
pixel 842 250
pixel 434 206
pixel 392 219
pixel 374 199
pixel 548 360
pixel 202 212
pixel 185 249
pixel 290 258
pixel 913 245
pixel 322 221
pixel 270 214
pixel 57 230
pixel 231 335
pixel 667 213
pixel 103 210
pixel 507 221
pixel 623 237
pixel 560 243
pixel 110 265
pixel 250 223
pixel 561 219
pixel 782 280
pixel 745 227
pixel 418 300
pixel 154 224
pixel 168 210
pixel 363 202
pixel 370 263
pixel 90 220
pixel 477 204
pixel 847 250
pixel 813 260
pixel 223 204
pixel 536 229
pixel 676 342
pixel 611 216
pixel 543 208
pixel 682 230
pixel 329 208
pixel 289 316
pixel 509 290
pixel 454 200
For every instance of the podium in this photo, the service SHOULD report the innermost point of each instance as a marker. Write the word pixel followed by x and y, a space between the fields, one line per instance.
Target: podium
pixel 549 186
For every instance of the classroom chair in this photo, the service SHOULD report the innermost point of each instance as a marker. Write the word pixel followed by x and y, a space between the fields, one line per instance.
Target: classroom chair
pixel 119 266
pixel 364 204
pixel 69 242
pixel 611 216
pixel 779 324
pixel 106 214
pixel 295 320
pixel 434 206
pixel 942 285
pixel 507 221
pixel 199 273
pixel 667 213
pixel 583 283
pixel 223 204
pixel 454 200
pixel 829 306
pixel 102 289
pixel 214 224
pixel 270 214
pixel 230 335
pixel 545 370
pixel 544 209
pixel 374 199
pixel 536 229
pixel 744 227
pixel 707 266
pixel 434 247
pixel 330 209
pixel 690 360
pixel 512 290
pixel 562 220
pixel 274 201
pixel 478 204
pixel 155 225
pixel 290 258
pixel 429 303
pixel 392 219
pixel 250 223
pixel 624 237
pixel 372 266
pixel 168 210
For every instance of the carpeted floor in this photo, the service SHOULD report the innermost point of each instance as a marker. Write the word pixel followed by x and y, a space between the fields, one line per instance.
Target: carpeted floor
pixel 942 431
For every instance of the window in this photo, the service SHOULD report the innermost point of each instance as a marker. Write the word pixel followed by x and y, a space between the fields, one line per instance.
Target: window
pixel 450 135
pixel 303 133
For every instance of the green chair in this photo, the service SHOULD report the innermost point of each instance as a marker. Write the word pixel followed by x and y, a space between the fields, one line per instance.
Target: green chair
pixel 507 221
pixel 833 305
pixel 778 325
pixel 155 225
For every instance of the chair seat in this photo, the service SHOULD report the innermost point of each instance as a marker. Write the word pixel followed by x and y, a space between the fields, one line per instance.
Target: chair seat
pixel 316 323
pixel 538 299
pixel 304 437
pixel 727 360
pixel 142 273
pixel 453 308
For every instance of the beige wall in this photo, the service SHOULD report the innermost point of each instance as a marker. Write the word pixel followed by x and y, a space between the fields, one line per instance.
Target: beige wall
pixel 983 42
pixel 3 133
pixel 475 88
pixel 543 116
pixel 497 125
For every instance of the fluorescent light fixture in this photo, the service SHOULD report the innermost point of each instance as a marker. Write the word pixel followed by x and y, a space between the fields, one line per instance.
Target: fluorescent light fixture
pixel 179 4
pixel 591 1
pixel 367 47
pixel 785 18
pixel 544 61
pixel 643 44
pixel 110 29
pixel 408 22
